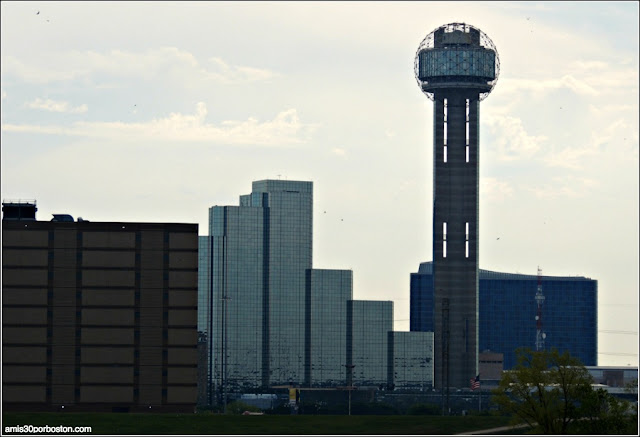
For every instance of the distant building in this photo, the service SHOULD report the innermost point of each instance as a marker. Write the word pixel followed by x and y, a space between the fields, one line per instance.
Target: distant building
pixel 507 310
pixel 330 294
pixel 490 367
pixel 412 365
pixel 98 316
pixel 614 376
pixel 368 350
pixel 271 320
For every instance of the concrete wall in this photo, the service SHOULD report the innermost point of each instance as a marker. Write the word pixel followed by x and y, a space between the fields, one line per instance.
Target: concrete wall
pixel 98 316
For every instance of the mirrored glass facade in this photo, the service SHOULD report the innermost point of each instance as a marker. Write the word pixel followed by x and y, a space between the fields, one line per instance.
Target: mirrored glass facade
pixel 507 310
pixel 329 291
pixel 271 320
pixel 290 207
pixel 238 290
pixel 203 283
pixel 369 323
pixel 259 254
pixel 412 364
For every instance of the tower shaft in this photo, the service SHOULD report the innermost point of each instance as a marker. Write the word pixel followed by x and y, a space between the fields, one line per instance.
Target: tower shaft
pixel 456 66
pixel 455 234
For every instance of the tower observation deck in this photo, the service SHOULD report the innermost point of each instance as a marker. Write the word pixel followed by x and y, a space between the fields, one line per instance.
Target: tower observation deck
pixel 456 66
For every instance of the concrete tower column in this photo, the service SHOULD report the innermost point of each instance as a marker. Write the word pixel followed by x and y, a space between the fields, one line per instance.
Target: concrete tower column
pixel 456 66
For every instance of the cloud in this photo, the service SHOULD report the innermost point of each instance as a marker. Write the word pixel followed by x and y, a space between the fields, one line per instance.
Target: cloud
pixel 338 151
pixel 568 81
pixel 285 129
pixel 163 61
pixel 494 189
pixel 54 106
pixel 602 110
pixel 569 157
pixel 565 186
pixel 511 139
pixel 223 72
pixel 618 132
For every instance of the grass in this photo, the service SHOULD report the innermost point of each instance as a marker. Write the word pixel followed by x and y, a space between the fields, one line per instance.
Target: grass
pixel 217 424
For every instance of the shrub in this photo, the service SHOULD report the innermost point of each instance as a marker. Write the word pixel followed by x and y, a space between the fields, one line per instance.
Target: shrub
pixel 239 407
pixel 428 409
pixel 373 408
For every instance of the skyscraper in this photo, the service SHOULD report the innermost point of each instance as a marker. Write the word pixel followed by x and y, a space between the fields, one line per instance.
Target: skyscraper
pixel 456 66
pixel 507 310
pixel 261 251
pixel 272 321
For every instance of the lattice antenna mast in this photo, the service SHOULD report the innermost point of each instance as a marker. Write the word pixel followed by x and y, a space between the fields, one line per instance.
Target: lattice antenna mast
pixel 540 335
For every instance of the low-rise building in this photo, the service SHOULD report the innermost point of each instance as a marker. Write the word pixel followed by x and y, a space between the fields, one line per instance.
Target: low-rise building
pixel 98 316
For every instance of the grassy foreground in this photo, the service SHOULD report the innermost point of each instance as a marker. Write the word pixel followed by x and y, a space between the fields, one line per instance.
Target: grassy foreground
pixel 215 424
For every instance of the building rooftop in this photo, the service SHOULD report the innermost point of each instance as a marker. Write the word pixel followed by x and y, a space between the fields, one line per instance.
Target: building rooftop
pixel 426 268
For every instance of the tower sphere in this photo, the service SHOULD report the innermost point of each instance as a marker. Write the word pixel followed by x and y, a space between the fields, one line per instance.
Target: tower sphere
pixel 457 55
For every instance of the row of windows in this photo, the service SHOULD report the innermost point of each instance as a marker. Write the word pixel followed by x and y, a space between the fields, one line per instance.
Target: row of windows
pixel 478 62
pixel 445 133
pixel 444 240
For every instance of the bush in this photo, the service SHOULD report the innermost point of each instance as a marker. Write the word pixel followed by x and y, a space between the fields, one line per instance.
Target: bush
pixel 426 409
pixel 282 408
pixel 209 409
pixel 373 408
pixel 238 407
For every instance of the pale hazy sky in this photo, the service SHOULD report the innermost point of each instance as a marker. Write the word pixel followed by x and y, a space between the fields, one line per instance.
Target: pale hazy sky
pixel 155 111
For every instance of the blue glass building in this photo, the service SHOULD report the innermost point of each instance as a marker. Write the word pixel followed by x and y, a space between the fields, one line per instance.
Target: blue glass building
pixel 507 311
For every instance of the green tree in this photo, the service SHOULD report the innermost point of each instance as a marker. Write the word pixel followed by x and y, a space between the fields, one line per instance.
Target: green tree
pixel 603 413
pixel 544 390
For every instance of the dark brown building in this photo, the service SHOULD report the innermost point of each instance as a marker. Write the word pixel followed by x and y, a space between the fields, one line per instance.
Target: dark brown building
pixel 99 316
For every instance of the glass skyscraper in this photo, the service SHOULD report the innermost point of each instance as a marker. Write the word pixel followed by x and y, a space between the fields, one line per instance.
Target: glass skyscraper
pixel 369 323
pixel 412 363
pixel 329 292
pixel 507 311
pixel 260 253
pixel 271 320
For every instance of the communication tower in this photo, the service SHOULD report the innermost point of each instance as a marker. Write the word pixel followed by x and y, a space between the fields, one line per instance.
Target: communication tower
pixel 456 66
pixel 540 335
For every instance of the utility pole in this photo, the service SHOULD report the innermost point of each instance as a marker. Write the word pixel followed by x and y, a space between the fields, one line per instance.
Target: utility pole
pixel 445 356
pixel 225 351
pixel 349 382
pixel 540 335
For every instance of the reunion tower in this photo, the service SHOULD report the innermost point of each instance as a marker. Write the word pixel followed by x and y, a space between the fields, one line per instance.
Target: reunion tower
pixel 456 66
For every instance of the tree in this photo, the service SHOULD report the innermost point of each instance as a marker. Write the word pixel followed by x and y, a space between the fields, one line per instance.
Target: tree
pixel 544 390
pixel 603 413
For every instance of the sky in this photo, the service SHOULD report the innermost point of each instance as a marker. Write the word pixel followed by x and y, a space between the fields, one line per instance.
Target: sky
pixel 156 111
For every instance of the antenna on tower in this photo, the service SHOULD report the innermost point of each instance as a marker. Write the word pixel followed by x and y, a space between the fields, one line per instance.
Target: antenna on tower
pixel 540 335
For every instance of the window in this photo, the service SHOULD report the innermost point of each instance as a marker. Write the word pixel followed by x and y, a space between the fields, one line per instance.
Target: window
pixel 445 122
pixel 467 122
pixel 466 243
pixel 444 239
